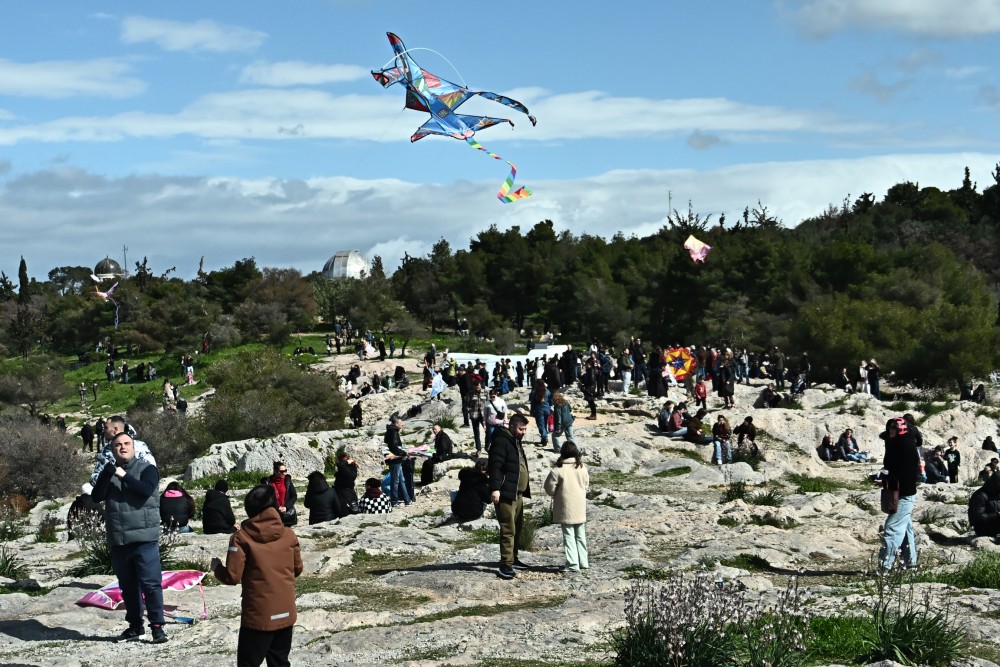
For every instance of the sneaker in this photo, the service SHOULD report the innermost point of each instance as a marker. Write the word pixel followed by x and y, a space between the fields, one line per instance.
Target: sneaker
pixel 159 636
pixel 518 565
pixel 506 572
pixel 566 569
pixel 130 635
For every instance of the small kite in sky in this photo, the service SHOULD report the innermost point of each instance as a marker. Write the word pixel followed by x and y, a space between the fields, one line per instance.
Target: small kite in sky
pixel 440 98
pixel 107 297
pixel 697 249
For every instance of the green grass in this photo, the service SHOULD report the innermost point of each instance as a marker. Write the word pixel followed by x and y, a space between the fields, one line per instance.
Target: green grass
pixel 728 521
pixel 861 502
pixel 643 572
pixel 749 562
pixel 238 479
pixel 773 521
pixel 806 484
pixel 928 409
pixel 360 579
pixel 838 639
pixel 673 472
pixel 982 572
pixel 770 497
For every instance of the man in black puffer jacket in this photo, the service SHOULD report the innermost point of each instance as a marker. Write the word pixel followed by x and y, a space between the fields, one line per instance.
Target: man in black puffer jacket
pixel 508 487
pixel 984 508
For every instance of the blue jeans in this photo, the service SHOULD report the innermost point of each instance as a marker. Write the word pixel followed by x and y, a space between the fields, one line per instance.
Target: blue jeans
pixel 137 567
pixel 678 433
pixel 567 431
pixel 718 451
pixel 540 421
pixel 397 486
pixel 898 534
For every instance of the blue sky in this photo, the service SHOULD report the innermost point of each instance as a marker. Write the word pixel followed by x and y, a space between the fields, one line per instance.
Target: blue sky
pixel 227 130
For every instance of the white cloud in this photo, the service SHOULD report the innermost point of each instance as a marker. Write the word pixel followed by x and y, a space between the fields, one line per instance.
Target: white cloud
pixel 103 77
pixel 297 73
pixel 204 35
pixel 300 223
pixel 922 17
pixel 869 84
pixel 286 113
pixel 966 72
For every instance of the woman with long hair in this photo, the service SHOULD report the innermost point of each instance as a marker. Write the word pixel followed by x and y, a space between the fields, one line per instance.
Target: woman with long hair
pixel 541 406
pixel 567 484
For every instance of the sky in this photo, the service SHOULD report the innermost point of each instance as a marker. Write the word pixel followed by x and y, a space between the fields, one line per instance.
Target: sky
pixel 225 130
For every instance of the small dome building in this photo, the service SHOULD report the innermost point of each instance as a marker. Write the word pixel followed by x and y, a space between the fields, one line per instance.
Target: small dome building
pixel 345 264
pixel 107 269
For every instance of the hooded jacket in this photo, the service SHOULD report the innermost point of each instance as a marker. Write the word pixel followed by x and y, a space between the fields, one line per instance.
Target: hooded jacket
pixel 322 501
pixel 984 507
pixel 264 557
pixel 217 514
pixel 473 493
pixel 176 509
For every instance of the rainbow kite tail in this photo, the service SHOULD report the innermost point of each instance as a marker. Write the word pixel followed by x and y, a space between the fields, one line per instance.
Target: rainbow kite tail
pixel 504 195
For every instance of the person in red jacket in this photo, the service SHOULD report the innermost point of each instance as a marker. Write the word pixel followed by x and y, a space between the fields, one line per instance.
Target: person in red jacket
pixel 265 558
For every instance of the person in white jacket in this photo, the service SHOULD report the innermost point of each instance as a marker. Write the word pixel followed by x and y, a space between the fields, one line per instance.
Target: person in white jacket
pixel 567 484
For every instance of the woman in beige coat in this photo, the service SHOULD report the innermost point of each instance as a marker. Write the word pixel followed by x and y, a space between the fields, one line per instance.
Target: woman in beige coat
pixel 567 484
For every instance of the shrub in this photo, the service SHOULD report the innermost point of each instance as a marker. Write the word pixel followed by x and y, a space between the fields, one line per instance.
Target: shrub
pixel 771 497
pixel 91 536
pixel 751 458
pixel 260 394
pixel 11 524
pixel 38 461
pixel 734 491
pixel 860 501
pixel 544 518
pixel 728 521
pixel 47 528
pixel 695 621
pixel 932 517
pixel 908 630
pixel 445 422
pixel 11 565
pixel 175 440
pixel 526 537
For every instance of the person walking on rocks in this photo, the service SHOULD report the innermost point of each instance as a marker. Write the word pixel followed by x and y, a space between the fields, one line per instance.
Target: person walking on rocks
pixel 567 484
pixel 132 518
pixel 264 556
pixel 903 466
pixel 509 485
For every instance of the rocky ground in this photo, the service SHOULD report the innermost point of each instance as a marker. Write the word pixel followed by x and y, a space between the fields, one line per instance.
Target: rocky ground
pixel 414 588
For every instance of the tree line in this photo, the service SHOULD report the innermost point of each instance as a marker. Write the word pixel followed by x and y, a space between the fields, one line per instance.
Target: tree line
pixel 911 279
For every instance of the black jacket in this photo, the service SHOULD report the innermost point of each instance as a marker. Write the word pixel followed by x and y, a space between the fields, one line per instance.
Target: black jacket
pixel 443 447
pixel 903 462
pixel 984 507
pixel 473 491
pixel 504 465
pixel 322 501
pixel 394 442
pixel 175 512
pixel 217 513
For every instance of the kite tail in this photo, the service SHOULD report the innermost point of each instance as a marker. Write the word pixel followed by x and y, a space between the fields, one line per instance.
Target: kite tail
pixel 504 195
pixel 116 312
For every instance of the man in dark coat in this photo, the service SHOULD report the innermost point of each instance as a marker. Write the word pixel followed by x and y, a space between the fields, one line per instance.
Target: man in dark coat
pixel 509 485
pixel 216 512
pixel 984 508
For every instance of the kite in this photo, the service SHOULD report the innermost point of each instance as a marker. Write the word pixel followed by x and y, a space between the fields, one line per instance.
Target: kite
pixel 698 250
pixel 679 363
pixel 110 596
pixel 440 98
pixel 107 297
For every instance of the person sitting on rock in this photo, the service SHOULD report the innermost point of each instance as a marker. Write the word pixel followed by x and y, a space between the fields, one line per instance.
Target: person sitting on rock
pixel 747 437
pixel 176 508
pixel 989 445
pixel 374 501
pixel 769 396
pixel 677 424
pixel 322 502
pixel 473 492
pixel 988 470
pixel 984 508
pixel 847 448
pixel 216 512
pixel 663 417
pixel 827 451
pixel 696 429
pixel 935 467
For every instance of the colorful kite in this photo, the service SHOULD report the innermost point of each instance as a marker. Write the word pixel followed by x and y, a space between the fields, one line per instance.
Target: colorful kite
pixel 110 596
pixel 107 297
pixel 440 98
pixel 679 363
pixel 698 250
